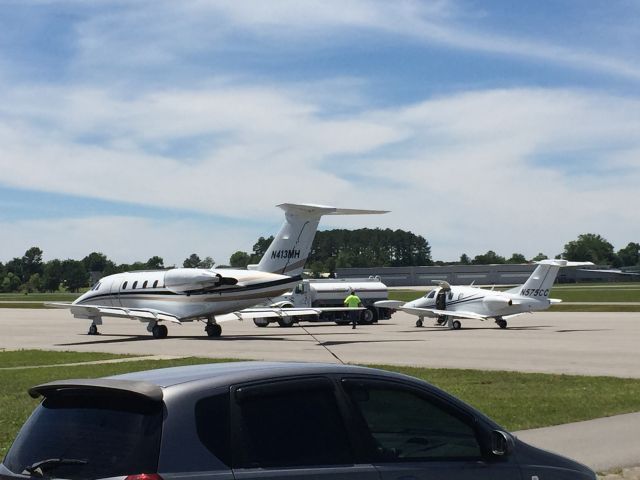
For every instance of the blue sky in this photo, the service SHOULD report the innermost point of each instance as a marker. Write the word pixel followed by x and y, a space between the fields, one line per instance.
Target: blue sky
pixel 165 128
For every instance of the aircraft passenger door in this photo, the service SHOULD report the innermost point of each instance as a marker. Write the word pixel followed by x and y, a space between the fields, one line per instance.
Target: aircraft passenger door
pixel 115 293
pixel 441 299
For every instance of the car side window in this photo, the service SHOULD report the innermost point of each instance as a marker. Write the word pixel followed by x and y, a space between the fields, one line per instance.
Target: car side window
pixel 406 425
pixel 212 425
pixel 291 424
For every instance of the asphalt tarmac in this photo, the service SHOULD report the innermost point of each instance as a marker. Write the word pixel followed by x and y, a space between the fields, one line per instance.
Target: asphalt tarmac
pixel 571 343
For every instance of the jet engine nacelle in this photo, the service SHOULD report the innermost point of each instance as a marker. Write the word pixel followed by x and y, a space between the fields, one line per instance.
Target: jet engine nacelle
pixel 188 280
pixel 497 302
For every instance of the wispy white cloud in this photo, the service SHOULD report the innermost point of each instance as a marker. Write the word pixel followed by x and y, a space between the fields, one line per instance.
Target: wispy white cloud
pixel 470 158
pixel 161 33
pixel 524 169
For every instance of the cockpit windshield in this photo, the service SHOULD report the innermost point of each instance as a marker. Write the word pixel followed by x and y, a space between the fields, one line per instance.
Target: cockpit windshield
pixel 431 294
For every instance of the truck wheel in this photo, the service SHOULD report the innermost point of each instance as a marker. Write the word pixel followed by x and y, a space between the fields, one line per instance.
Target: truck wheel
pixel 286 322
pixel 367 317
pixel 261 322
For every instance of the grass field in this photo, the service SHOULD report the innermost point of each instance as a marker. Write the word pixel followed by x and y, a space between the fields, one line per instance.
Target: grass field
pixel 515 400
pixel 39 297
pixel 34 300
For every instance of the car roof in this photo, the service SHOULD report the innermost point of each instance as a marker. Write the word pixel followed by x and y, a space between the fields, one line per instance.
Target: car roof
pixel 164 383
pixel 232 372
pixel 155 384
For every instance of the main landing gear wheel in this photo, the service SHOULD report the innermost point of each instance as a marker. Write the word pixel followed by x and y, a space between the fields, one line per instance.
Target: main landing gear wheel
pixel 213 330
pixel 419 322
pixel 260 322
pixel 502 323
pixel 93 330
pixel 456 325
pixel 159 331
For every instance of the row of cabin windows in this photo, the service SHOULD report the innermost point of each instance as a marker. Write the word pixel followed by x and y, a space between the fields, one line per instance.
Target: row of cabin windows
pixel 135 285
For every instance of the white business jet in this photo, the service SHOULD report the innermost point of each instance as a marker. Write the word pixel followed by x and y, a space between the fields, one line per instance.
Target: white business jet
pixel 186 294
pixel 449 303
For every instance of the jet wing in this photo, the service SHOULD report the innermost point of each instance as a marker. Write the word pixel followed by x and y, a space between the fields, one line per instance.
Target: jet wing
pixel 140 314
pixel 432 312
pixel 275 312
pixel 393 304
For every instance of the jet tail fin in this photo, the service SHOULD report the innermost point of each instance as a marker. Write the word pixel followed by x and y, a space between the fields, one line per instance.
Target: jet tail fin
pixel 539 284
pixel 289 250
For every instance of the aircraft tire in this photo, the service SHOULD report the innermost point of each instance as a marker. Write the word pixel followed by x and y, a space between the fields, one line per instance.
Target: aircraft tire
pixel 502 323
pixel 456 325
pixel 93 330
pixel 213 330
pixel 419 322
pixel 159 331
pixel 261 322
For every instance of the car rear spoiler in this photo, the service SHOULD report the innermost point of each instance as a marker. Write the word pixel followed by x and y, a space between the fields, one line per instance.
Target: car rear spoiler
pixel 143 390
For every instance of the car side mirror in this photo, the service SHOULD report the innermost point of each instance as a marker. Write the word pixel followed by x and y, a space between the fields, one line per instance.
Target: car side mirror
pixel 501 443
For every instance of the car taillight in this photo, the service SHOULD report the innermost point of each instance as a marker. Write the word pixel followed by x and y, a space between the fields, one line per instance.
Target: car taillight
pixel 144 476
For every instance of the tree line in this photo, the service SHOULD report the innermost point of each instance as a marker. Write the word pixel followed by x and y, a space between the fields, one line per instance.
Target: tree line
pixel 342 248
pixel 366 247
pixel 331 249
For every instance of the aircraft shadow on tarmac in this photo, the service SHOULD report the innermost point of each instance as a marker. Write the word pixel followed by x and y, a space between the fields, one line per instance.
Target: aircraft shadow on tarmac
pixel 585 330
pixel 120 338
pixel 347 342
pixel 471 329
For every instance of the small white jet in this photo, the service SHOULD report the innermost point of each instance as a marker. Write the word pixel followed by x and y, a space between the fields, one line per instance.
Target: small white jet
pixel 189 294
pixel 449 303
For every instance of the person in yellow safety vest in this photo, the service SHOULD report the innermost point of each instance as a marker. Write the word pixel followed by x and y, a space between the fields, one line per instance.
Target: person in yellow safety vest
pixel 353 301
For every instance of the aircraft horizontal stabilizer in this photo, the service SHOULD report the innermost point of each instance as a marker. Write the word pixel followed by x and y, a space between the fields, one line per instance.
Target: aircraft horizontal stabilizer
pixel 317 210
pixel 555 300
pixel 563 263
pixel 93 311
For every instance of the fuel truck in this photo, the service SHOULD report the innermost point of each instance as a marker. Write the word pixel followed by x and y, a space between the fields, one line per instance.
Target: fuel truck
pixel 331 292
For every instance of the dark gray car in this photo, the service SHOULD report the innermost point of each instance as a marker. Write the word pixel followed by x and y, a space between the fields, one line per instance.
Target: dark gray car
pixel 258 420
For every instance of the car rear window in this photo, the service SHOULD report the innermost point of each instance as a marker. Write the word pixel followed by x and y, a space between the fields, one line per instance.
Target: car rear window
pixel 110 436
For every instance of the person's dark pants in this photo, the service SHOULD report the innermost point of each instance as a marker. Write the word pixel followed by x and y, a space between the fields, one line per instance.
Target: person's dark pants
pixel 354 318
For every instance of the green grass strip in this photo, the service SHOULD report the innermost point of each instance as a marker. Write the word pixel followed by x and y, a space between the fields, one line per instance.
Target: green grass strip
pixel 39 297
pixel 520 401
pixel 23 358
